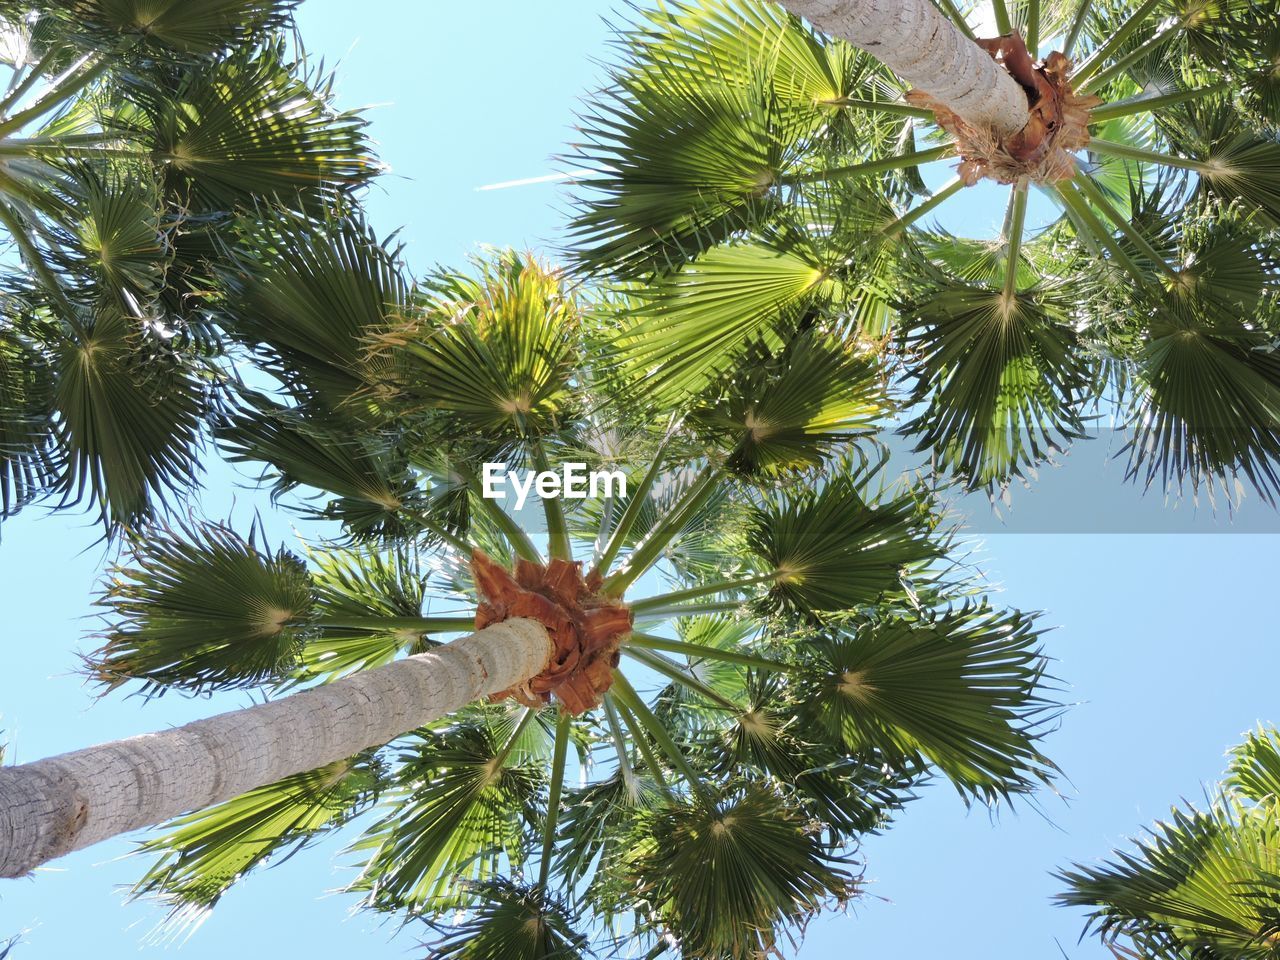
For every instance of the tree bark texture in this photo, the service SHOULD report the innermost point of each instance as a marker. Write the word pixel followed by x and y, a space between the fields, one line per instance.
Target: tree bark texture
pixel 925 49
pixel 51 807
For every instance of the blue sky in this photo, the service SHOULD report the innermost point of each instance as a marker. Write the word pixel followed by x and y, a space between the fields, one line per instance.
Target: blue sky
pixel 1163 641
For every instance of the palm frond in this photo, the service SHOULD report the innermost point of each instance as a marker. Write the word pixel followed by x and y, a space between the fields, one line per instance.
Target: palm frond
pixel 513 921
pixel 834 549
pixel 312 293
pixel 177 25
pixel 200 608
pixel 203 854
pixel 727 878
pixel 249 127
pixel 1255 767
pixel 1001 379
pixel 964 689
pixel 1203 884
pixel 28 461
pixel 497 352
pixel 454 815
pixel 784 411
pixel 129 416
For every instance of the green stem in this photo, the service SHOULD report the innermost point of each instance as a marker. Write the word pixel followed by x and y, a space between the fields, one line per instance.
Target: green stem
pixel 629 699
pixel 1121 36
pixel 558 543
pixel 620 748
pixel 1125 108
pixel 1099 200
pixel 642 744
pixel 69 87
pixel 700 651
pixel 635 503
pixel 458 544
pixel 1033 29
pixel 895 107
pixel 656 540
pixel 500 758
pixel 563 722
pixel 706 608
pixel 1085 218
pixel 852 171
pixel 1099 80
pixel 673 671
pixel 1077 26
pixel 41 269
pixel 420 624
pixel 1017 224
pixel 891 230
pixel 1004 25
pixel 606 524
pixel 512 531
pixel 18 89
pixel 950 9
pixel 703 590
pixel 1124 151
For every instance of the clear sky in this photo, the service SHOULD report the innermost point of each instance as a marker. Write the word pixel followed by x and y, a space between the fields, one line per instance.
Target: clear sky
pixel 1164 641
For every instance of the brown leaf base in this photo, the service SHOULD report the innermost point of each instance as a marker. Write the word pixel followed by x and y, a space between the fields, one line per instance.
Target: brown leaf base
pixel 1057 122
pixel 587 629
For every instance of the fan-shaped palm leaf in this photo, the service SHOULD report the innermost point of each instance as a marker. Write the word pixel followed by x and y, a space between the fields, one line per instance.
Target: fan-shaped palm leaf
pixel 129 415
pixel 726 877
pixel 206 852
pixel 513 922
pixel 957 688
pixel 833 549
pixel 454 814
pixel 201 608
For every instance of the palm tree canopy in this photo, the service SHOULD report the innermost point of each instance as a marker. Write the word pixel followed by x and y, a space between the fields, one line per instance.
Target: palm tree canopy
pixel 745 178
pixel 139 138
pixel 1205 883
pixel 800 662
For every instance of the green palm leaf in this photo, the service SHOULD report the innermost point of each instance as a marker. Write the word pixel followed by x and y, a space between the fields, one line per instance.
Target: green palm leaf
pixel 313 293
pixel 497 352
pixel 513 922
pixel 454 815
pixel 727 877
pixel 692 322
pixel 784 411
pixel 129 416
pixel 1255 767
pixel 1001 379
pixel 200 608
pixel 374 490
pixel 961 689
pixel 204 853
pixel 1204 884
pixel 833 549
pixel 27 458
pixel 189 28
pixel 250 127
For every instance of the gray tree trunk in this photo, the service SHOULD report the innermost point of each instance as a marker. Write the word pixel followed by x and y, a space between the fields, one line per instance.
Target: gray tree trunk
pixel 54 806
pixel 925 49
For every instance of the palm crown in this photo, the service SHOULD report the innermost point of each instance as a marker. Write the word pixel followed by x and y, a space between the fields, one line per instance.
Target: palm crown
pixel 748 178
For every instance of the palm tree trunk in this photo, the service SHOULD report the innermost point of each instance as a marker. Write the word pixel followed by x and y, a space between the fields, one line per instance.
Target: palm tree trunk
pixel 925 49
pixel 54 806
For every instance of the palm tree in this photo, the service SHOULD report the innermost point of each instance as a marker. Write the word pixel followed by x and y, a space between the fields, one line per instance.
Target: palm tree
pixel 133 136
pixel 745 177
pixel 594 754
pixel 1206 883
